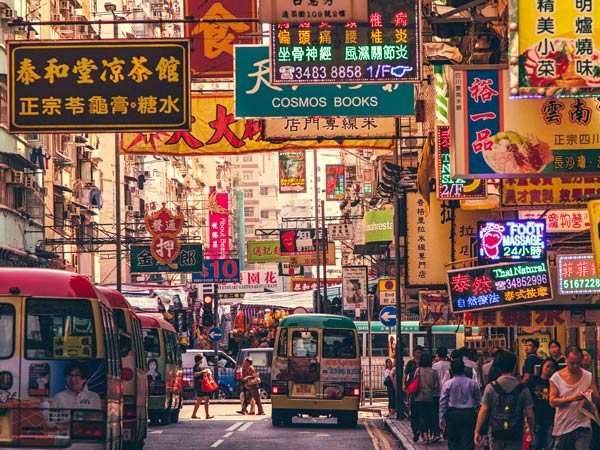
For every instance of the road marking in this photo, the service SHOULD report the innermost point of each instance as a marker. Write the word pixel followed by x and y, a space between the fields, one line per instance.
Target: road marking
pixel 226 435
pixel 234 426
pixel 383 438
pixel 323 435
pixel 373 439
pixel 156 432
pixel 217 443
pixel 245 426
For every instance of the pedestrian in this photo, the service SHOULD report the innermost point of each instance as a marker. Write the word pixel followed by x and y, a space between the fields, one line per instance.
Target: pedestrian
pixel 251 387
pixel 390 385
pixel 201 370
pixel 485 369
pixel 556 355
pixel 441 367
pixel 245 393
pixel 588 362
pixel 507 402
pixel 531 359
pixel 407 376
pixel 469 357
pixel 459 400
pixel 423 400
pixel 570 389
pixel 468 372
pixel 539 386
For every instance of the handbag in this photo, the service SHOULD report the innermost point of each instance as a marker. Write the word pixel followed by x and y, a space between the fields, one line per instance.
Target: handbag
pixel 253 381
pixel 208 384
pixel 413 386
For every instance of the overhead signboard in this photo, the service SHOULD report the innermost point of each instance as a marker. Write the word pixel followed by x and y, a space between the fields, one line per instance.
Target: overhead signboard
pixel 555 48
pixel 387 292
pixel 298 242
pixel 499 285
pixel 511 240
pixel 594 210
pixel 385 49
pixel 265 251
pixel 312 10
pixel 329 127
pixel 292 171
pixel 335 184
pixel 434 309
pixel 256 96
pixel 559 220
pixel 311 260
pixel 218 271
pixel 340 231
pixel 493 136
pixel 310 284
pixel 449 188
pixel 188 260
pixel 75 86
pixel 577 274
pixel 543 192
pixel 254 281
pixel 354 287
pixel 379 226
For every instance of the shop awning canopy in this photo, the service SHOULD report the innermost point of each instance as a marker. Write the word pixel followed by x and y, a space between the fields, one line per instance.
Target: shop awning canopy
pixel 280 299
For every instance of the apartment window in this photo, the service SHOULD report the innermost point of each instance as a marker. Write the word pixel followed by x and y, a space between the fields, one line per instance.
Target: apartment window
pixel 249 230
pixel 247 158
pixel 264 214
pixel 249 211
pixel 246 176
pixel 248 193
pixel 264 190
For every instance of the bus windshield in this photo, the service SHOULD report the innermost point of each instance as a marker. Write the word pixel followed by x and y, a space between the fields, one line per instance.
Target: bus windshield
pixel 151 342
pixel 58 328
pixel 339 344
pixel 304 344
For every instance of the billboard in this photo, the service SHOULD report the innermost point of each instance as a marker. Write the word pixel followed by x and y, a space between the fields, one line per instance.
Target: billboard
pixel 188 260
pixel 265 251
pixel 493 136
pixel 218 225
pixel 577 274
pixel 292 171
pixel 354 287
pixel 511 240
pixel 329 127
pixel 544 192
pixel 335 182
pixel 299 242
pixel 107 85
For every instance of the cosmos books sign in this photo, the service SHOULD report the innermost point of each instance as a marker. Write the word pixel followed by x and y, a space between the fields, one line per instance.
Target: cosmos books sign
pixel 511 240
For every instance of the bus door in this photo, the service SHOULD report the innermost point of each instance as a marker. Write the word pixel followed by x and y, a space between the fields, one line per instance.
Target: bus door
pixel 10 394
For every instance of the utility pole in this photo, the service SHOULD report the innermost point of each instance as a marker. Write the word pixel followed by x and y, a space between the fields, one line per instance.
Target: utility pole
pixel 399 347
pixel 317 305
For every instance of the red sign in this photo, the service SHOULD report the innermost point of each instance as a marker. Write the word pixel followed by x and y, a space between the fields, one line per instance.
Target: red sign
pixel 220 28
pixel 310 284
pixel 218 225
pixel 164 226
pixel 165 248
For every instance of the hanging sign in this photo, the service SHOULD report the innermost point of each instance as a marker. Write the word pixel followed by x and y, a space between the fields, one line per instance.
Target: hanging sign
pixel 511 240
pixel 559 220
pixel 292 171
pixel 164 226
pixel 312 10
pixel 577 274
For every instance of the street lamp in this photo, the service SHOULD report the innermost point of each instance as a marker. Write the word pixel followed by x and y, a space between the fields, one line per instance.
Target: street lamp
pixel 111 7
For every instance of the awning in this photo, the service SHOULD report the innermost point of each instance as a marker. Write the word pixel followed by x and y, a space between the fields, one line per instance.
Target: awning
pixel 372 248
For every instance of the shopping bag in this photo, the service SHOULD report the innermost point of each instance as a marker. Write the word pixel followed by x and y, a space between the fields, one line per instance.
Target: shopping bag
pixel 413 386
pixel 208 384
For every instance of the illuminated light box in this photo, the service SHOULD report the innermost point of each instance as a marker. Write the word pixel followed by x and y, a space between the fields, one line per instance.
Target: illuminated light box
pixel 511 240
pixel 384 49
pixel 498 285
pixel 577 274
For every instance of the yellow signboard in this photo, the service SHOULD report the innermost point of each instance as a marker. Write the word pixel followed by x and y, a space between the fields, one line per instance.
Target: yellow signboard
pixel 594 210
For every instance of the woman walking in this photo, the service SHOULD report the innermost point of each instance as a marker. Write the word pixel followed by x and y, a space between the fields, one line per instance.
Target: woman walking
pixel 428 387
pixel 251 385
pixel 389 381
pixel 200 371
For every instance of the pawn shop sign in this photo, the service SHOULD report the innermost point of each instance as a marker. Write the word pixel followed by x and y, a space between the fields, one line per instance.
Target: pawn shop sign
pixel 164 221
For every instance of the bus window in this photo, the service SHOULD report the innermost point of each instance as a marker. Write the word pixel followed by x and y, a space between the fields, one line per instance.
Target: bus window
pixel 282 347
pixel 444 340
pixel 59 329
pixel 339 344
pixel 151 342
pixel 7 330
pixel 304 344
pixel 379 344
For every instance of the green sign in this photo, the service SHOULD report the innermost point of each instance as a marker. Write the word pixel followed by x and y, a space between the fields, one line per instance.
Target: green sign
pixel 256 97
pixel 267 251
pixel 189 260
pixel 379 226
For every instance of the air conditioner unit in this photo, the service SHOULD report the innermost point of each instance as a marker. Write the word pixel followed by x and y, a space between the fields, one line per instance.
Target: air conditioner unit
pixel 18 177
pixel 56 18
pixel 28 182
pixel 129 208
pixel 7 13
pixel 64 5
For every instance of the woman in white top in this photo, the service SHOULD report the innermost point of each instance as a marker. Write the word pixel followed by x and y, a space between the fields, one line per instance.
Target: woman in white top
pixel 570 389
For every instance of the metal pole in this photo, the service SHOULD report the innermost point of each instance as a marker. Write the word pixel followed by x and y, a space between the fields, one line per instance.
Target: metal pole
pixel 118 242
pixel 370 299
pixel 399 346
pixel 317 306
pixel 216 324
pixel 325 249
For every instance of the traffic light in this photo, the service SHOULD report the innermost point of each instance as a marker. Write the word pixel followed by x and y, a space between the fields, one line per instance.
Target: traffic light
pixel 208 319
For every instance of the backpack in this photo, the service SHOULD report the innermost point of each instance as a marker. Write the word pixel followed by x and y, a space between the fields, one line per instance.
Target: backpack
pixel 506 418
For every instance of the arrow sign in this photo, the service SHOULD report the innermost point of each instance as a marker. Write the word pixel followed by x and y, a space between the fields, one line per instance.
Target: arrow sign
pixel 215 334
pixel 387 316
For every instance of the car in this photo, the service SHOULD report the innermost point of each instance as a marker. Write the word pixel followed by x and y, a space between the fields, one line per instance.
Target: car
pixel 262 359
pixel 227 367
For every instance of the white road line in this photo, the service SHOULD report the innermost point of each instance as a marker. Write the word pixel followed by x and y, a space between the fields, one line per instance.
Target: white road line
pixel 245 426
pixel 226 435
pixel 156 432
pixel 217 443
pixel 234 426
pixel 322 435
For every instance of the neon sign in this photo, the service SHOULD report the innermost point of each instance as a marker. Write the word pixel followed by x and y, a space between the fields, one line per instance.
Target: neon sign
pixel 512 240
pixel 577 274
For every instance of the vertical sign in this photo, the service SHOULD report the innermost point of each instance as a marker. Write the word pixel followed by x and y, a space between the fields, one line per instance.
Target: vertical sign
pixel 218 225
pixel 292 171
pixel 594 209
pixel 335 185
pixel 354 287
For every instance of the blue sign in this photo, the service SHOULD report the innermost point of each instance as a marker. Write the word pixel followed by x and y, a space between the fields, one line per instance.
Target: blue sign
pixel 215 334
pixel 256 97
pixel 387 316
pixel 218 271
pixel 511 240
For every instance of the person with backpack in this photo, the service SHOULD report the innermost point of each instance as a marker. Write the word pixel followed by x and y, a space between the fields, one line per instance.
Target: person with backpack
pixel 570 389
pixel 508 403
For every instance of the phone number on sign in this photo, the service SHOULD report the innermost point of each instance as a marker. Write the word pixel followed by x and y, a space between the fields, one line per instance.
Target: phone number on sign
pixel 581 283
pixel 526 281
pixel 321 73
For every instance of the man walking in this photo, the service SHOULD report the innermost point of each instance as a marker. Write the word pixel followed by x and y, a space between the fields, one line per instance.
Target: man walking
pixel 570 389
pixel 507 403
pixel 459 401
pixel 531 359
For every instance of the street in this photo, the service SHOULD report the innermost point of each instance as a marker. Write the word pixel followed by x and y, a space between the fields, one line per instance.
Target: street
pixel 229 430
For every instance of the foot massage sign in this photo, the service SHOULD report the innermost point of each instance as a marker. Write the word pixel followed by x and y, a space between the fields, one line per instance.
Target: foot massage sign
pixel 493 136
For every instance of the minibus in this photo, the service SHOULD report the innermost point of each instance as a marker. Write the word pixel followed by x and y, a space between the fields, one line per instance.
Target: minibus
pixel 133 362
pixel 316 369
pixel 60 370
pixel 165 373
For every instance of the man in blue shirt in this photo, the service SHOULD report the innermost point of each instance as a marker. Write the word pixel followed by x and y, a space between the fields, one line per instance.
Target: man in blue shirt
pixel 459 401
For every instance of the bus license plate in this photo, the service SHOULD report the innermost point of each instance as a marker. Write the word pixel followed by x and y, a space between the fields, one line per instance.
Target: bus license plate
pixel 303 389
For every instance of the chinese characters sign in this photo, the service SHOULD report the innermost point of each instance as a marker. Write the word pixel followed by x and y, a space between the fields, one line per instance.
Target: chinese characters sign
pixel 594 211
pixel 215 131
pixel 312 10
pixel 310 284
pixel 292 171
pixel 59 86
pixel 577 274
pixel 383 49
pixel 218 225
pixel 254 281
pixel 544 192
pixel 495 137
pixel 556 47
pixel 559 220
pixel 511 240
pixel 449 188
pixel 330 127
pixel 264 251
pixel 256 96
pixel 188 260
pixel 219 28
pixel 335 186
pixel 511 317
pixel 493 286
pixel 164 226
pixel 298 242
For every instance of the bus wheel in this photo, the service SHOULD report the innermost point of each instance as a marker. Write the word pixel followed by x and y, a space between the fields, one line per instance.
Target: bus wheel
pixel 165 418
pixel 279 418
pixel 154 419
pixel 175 415
pixel 348 420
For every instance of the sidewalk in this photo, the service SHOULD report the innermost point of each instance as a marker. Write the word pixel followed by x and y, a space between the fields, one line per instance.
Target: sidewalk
pixel 401 429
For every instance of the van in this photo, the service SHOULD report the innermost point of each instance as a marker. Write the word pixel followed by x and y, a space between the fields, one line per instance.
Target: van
pixel 262 359
pixel 165 374
pixel 316 369
pixel 226 373
pixel 133 362
pixel 60 370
